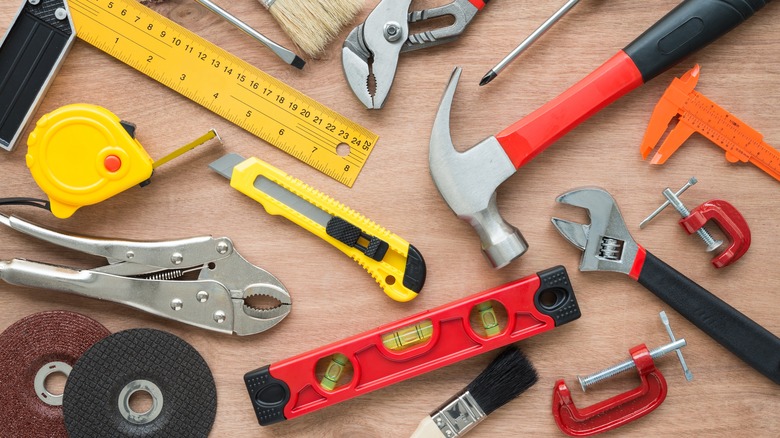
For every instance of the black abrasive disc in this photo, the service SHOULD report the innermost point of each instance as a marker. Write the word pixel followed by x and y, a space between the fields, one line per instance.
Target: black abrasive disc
pixel 97 393
pixel 37 346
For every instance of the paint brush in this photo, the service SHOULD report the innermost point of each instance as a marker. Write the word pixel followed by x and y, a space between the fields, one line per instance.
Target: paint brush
pixel 508 376
pixel 313 24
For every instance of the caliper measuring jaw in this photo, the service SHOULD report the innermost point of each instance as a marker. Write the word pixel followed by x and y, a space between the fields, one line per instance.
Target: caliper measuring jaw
pixel 468 181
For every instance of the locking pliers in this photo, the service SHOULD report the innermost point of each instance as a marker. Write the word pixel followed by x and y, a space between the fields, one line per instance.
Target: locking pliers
pixel 152 276
pixel 371 50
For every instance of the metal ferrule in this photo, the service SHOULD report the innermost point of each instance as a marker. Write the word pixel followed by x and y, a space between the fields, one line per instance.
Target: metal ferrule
pixel 458 416
pixel 267 3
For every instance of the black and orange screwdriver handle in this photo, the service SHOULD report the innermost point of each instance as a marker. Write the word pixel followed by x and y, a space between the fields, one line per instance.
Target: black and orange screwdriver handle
pixel 687 28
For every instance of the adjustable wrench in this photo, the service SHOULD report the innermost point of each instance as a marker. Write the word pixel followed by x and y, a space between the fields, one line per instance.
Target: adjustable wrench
pixel 606 245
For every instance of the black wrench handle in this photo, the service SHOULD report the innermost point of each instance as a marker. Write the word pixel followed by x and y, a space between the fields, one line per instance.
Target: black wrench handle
pixel 739 334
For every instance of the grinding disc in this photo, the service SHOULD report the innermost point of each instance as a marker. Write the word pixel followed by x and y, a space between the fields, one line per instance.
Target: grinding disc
pixel 37 346
pixel 172 372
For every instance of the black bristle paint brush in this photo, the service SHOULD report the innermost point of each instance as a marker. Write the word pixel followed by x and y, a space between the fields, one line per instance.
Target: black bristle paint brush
pixel 508 376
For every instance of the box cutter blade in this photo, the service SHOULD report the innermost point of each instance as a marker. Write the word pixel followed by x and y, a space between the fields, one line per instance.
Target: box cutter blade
pixel 150 276
pixel 395 264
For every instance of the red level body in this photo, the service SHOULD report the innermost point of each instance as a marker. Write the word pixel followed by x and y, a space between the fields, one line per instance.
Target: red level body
pixel 436 338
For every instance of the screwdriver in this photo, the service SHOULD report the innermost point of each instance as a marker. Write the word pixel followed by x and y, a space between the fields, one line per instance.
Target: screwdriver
pixel 493 73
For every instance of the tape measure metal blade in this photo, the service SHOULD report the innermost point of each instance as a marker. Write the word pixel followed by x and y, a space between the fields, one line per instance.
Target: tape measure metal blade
pixel 226 85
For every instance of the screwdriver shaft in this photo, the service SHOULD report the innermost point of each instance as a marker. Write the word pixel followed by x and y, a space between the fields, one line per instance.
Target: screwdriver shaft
pixel 528 41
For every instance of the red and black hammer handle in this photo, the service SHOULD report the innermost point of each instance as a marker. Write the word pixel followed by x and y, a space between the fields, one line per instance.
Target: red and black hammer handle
pixel 687 28
pixel 736 332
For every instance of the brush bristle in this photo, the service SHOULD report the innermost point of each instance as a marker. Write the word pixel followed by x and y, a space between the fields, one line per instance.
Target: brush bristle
pixel 508 376
pixel 313 24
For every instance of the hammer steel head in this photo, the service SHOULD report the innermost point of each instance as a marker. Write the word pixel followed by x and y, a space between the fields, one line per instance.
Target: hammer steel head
pixel 468 180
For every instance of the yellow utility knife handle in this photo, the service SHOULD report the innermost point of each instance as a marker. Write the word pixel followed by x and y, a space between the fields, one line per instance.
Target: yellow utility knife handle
pixel 395 264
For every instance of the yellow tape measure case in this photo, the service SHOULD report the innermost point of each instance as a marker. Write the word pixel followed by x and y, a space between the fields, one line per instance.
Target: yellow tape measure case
pixel 82 154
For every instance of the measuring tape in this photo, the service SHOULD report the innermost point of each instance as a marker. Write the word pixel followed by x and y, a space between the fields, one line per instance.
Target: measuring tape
pixel 700 114
pixel 225 84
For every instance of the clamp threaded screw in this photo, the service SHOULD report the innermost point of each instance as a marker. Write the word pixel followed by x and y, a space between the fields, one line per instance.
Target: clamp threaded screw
pixel 627 365
pixel 712 244
pixel 607 373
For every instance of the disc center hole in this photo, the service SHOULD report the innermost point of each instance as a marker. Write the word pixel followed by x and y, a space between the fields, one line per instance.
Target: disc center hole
pixel 55 383
pixel 49 382
pixel 141 402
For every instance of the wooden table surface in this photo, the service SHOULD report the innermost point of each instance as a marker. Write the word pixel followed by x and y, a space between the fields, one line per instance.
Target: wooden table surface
pixel 334 298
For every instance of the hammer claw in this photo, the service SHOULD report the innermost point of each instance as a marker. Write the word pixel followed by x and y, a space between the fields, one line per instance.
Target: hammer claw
pixel 441 147
pixel 468 181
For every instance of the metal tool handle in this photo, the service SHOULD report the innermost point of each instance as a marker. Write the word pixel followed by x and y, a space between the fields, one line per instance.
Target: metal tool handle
pixel 31 53
pixel 461 12
pixel 687 28
pixel 739 334
pixel 140 256
pixel 169 299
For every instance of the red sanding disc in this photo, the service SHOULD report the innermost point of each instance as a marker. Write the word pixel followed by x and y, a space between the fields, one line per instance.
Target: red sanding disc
pixel 27 348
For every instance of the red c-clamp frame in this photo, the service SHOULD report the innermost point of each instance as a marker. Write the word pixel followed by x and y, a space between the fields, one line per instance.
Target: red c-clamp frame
pixel 725 215
pixel 730 220
pixel 623 408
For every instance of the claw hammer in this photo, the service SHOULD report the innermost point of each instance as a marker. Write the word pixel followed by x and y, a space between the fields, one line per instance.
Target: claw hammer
pixel 468 180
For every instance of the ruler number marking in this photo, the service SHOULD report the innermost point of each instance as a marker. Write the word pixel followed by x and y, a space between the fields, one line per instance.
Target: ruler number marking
pixel 126 37
pixel 249 114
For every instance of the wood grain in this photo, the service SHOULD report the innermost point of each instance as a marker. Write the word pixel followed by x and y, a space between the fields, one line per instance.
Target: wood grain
pixel 334 298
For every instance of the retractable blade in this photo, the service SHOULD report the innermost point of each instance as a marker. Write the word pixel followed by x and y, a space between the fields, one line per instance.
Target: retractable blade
pixel 395 264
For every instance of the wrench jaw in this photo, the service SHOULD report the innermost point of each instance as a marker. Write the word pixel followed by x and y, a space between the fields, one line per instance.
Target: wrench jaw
pixel 468 181
pixel 605 243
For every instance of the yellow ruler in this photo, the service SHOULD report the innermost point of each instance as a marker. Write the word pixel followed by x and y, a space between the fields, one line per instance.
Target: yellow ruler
pixel 226 85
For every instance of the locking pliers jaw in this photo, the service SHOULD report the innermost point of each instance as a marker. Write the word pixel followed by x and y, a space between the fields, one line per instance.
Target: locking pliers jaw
pixel 150 276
